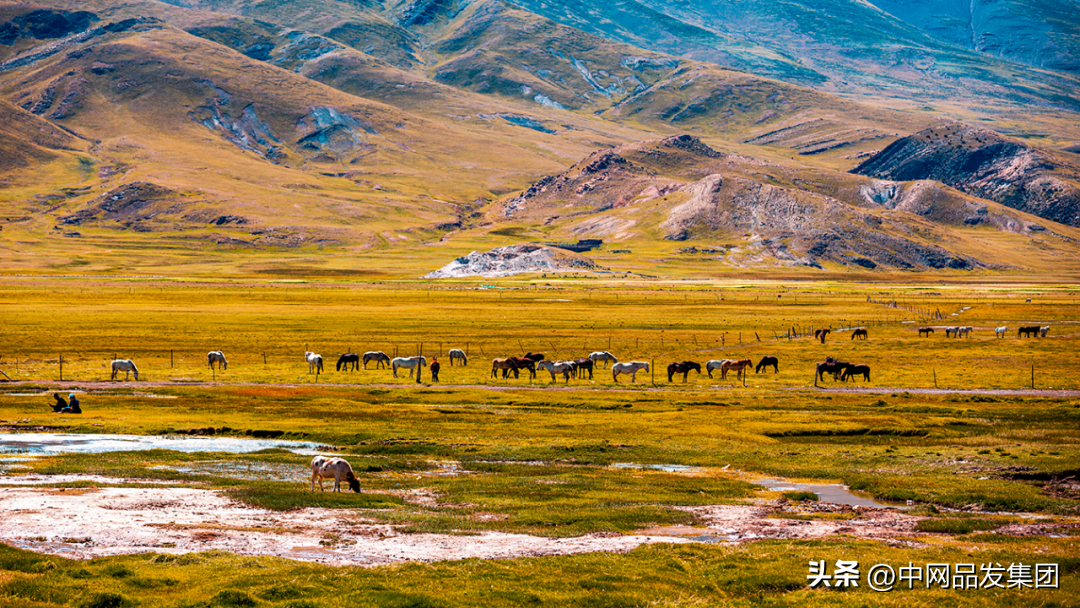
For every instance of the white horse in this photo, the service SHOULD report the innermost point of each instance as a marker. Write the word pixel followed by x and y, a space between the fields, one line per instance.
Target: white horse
pixel 558 367
pixel 408 363
pixel 314 362
pixel 1000 331
pixel 126 366
pixel 952 332
pixel 966 331
pixel 605 356
pixel 1043 331
pixel 632 368
pixel 715 364
pixel 457 353
pixel 333 468
pixel 216 356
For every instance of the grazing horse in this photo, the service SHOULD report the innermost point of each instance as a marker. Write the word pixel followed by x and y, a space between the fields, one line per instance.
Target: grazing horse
pixel 925 331
pixel 952 332
pixel 715 364
pixel 380 358
pixel 829 366
pixel 1031 331
pixel 682 367
pixel 859 333
pixel 506 365
pixel 1043 331
pixel 333 468
pixel 1000 331
pixel 766 362
pixel 534 357
pixel 631 367
pixel 557 367
pixel 408 363
pixel 314 362
pixel 523 363
pixel 820 334
pixel 739 367
pixel 604 356
pixel 344 361
pixel 126 366
pixel 457 353
pixel 851 371
pixel 965 331
pixel 585 364
pixel 216 356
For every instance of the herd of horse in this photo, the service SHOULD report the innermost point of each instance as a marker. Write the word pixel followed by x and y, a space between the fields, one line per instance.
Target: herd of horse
pixel 577 368
pixel 1028 331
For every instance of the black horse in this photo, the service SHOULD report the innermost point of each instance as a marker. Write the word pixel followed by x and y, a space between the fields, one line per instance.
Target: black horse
pixel 766 362
pixel 344 361
pixel 521 363
pixel 821 333
pixel 925 331
pixel 682 367
pixel 534 357
pixel 582 366
pixel 1031 331
pixel 856 370
pixel 859 333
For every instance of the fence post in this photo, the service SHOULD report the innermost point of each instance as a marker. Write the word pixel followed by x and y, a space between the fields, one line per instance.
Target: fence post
pixel 61 367
pixel 170 358
pixel 1033 376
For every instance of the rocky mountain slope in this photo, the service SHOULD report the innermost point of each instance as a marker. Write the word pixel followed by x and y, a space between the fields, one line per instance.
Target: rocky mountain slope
pixel 294 126
pixel 987 165
pixel 680 189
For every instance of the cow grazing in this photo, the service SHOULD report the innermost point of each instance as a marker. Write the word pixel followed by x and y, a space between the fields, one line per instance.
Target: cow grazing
pixel 333 468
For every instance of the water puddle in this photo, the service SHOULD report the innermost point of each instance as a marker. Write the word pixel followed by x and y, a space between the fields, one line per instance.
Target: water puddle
pixel 248 471
pixel 667 468
pixel 92 443
pixel 826 492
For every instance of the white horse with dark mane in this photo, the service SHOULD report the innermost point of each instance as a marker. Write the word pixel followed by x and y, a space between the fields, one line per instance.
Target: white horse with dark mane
pixel 124 365
pixel 1043 331
pixel 314 362
pixel 216 356
pixel 457 353
pixel 558 367
pixel 715 364
pixel 1000 331
pixel 408 363
pixel 605 356
pixel 632 368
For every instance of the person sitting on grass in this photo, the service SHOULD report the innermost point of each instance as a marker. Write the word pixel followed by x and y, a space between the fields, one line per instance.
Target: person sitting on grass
pixel 60 403
pixel 73 405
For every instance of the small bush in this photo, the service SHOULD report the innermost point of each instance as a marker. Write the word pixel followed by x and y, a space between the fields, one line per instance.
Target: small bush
pixel 106 600
pixel 956 526
pixel 230 598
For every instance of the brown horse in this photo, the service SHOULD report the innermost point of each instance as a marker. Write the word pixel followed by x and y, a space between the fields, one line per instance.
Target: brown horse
pixel 856 370
pixel 583 365
pixel 739 367
pixel 821 333
pixel 534 357
pixel 859 333
pixel 925 331
pixel 523 363
pixel 507 365
pixel 766 362
pixel 829 366
pixel 684 368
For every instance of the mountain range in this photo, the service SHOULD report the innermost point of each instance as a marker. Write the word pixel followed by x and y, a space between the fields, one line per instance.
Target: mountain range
pixel 249 136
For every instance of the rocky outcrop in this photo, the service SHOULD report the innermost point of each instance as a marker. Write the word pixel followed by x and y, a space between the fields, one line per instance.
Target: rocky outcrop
pixel 984 164
pixel 43 24
pixel 511 260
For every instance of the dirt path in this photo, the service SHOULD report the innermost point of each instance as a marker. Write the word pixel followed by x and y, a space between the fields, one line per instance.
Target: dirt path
pixel 640 387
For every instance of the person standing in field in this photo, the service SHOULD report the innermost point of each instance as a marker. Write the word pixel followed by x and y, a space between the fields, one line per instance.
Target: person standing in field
pixel 60 403
pixel 435 369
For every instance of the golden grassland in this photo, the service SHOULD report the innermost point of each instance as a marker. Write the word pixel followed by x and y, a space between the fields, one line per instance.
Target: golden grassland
pixel 541 459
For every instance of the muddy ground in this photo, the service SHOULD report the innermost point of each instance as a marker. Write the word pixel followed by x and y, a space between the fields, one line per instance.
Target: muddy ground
pixel 98 521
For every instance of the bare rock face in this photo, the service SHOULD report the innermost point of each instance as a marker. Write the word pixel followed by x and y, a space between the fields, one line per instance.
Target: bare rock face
pixel 511 260
pixel 984 164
